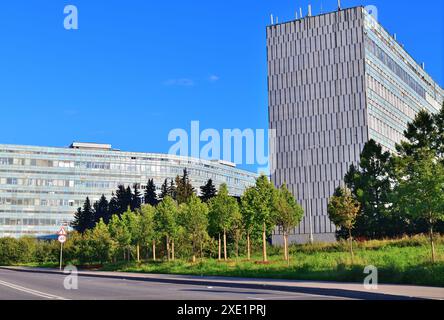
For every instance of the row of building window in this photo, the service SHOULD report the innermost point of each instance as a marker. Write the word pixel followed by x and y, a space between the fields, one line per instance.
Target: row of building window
pixel 122 167
pixel 181 163
pixel 40 202
pixel 28 222
pixel 372 47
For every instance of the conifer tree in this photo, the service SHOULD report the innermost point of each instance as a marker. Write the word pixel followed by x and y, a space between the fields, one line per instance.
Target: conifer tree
pixel 208 191
pixel 184 189
pixel 84 218
pixel 150 193
pixel 136 198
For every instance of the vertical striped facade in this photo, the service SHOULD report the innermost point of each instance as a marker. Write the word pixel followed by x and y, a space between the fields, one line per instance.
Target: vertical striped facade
pixel 325 104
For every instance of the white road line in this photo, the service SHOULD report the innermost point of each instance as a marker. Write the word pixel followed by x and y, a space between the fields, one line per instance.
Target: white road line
pixel 31 291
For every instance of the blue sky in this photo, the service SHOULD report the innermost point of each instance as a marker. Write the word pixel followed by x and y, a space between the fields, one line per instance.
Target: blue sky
pixel 137 69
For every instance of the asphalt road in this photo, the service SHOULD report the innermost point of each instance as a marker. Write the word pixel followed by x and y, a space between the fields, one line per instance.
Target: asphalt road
pixel 15 285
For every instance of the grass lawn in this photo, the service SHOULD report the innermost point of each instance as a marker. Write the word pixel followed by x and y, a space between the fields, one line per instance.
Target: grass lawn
pixel 402 261
pixel 398 262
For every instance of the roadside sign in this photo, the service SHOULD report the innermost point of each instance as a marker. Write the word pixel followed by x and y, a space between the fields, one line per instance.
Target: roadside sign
pixel 62 232
pixel 62 239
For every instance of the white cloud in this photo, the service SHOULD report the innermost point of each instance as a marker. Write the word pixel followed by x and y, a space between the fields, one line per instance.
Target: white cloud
pixel 213 78
pixel 183 82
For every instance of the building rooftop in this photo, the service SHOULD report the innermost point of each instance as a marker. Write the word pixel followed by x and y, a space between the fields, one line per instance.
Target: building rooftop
pixel 90 146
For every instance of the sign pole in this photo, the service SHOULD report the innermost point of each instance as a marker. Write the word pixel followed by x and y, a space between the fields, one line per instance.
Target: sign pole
pixel 61 239
pixel 61 255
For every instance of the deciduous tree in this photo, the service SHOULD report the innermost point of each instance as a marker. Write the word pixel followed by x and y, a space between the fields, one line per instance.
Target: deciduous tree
pixel 223 209
pixel 288 214
pixel 342 210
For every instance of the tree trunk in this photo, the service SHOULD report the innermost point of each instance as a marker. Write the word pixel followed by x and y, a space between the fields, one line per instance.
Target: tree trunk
pixel 264 244
pixel 220 254
pixel 432 244
pixel 201 251
pixel 138 252
pixel 248 246
pixel 237 247
pixel 350 238
pixel 225 245
pixel 168 247
pixel 288 252
pixel 173 256
pixel 285 247
pixel 154 250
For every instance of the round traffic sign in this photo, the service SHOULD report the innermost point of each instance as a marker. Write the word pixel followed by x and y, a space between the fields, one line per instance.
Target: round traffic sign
pixel 62 239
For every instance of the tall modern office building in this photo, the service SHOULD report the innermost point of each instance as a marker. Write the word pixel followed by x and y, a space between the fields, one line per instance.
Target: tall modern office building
pixel 335 81
pixel 41 187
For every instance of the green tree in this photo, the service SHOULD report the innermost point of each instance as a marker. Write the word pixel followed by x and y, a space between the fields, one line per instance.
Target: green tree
pixel 101 242
pixel 288 214
pixel 84 218
pixel 237 228
pixel 9 251
pixel 148 235
pixel 194 220
pixel 136 198
pixel 208 191
pixel 258 211
pixel 184 189
pixel 439 123
pixel 420 133
pixel 133 223
pixel 223 209
pixel 101 209
pixel 166 223
pixel 150 193
pixel 113 207
pixel 120 233
pixel 264 208
pixel 123 197
pixel 343 209
pixel 248 213
pixel 371 185
pixel 420 190
pixel 172 190
pixel 164 189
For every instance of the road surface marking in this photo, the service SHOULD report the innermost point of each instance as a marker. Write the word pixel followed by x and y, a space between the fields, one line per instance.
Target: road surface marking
pixel 31 291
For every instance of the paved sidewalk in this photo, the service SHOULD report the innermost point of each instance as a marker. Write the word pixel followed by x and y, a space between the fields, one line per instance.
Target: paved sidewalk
pixel 337 289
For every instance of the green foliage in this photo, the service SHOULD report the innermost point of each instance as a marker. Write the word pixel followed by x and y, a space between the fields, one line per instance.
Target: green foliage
pixel 257 207
pixel 223 209
pixel 343 209
pixel 287 212
pixel 136 197
pixel 193 217
pixel 402 261
pixel 84 218
pixel 184 189
pixel 150 195
pixel 120 232
pixel 371 186
pixel 420 189
pixel 147 213
pixel 101 210
pixel 208 191
pixel 165 219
